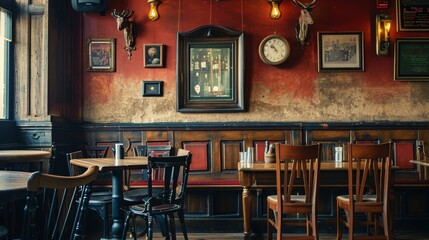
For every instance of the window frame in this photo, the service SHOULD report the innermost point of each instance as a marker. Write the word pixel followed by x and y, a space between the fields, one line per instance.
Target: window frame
pixel 7 6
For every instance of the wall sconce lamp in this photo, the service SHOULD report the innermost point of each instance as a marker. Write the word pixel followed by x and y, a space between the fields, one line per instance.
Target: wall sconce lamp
pixel 382 37
pixel 153 12
pixel 275 10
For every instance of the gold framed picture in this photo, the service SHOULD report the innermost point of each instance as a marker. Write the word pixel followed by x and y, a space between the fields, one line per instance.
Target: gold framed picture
pixel 101 55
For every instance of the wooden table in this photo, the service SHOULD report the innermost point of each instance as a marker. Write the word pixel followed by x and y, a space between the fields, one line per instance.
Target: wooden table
pixel 421 163
pixel 117 168
pixel 261 175
pixel 422 168
pixel 23 156
pixel 13 185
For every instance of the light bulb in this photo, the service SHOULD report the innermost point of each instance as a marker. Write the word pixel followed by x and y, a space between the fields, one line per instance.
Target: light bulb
pixel 153 12
pixel 275 10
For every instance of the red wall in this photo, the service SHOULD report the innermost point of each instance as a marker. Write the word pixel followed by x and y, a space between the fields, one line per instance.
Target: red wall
pixel 297 78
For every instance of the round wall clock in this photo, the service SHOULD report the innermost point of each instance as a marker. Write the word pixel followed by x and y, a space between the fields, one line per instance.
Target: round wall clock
pixel 274 49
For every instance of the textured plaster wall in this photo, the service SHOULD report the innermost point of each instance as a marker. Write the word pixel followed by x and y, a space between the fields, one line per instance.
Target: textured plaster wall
pixel 293 91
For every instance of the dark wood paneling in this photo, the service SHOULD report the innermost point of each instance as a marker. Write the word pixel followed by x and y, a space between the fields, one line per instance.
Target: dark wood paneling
pixel 229 154
pixel 216 149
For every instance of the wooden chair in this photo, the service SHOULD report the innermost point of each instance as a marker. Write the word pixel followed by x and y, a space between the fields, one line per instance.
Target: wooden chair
pixel 165 199
pixel 369 184
pixel 140 150
pixel 56 216
pixel 96 151
pixel 100 199
pixel 297 172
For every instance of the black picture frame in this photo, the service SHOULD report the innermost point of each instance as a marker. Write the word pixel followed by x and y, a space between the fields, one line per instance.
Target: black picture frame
pixel 101 55
pixel 152 88
pixel 411 59
pixel 210 70
pixel 340 51
pixel 153 55
pixel 412 15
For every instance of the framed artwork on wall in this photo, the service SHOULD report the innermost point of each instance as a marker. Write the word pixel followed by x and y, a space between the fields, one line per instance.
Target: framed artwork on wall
pixel 153 55
pixel 101 55
pixel 340 51
pixel 152 88
pixel 411 59
pixel 210 65
pixel 412 15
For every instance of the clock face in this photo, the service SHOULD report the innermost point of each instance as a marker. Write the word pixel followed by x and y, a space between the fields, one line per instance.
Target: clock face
pixel 274 50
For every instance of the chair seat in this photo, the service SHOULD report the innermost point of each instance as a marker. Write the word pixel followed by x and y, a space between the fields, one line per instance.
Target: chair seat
pixel 136 196
pixel 365 198
pixel 158 209
pixel 100 199
pixel 293 198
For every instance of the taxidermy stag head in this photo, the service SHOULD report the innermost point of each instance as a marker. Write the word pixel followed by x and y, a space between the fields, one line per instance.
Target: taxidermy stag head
pixel 123 24
pixel 305 19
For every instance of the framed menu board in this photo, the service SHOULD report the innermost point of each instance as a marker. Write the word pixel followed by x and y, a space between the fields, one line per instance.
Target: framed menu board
pixel 412 59
pixel 412 15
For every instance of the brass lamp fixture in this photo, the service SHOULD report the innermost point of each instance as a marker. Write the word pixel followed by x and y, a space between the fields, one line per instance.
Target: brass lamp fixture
pixel 275 10
pixel 382 36
pixel 153 12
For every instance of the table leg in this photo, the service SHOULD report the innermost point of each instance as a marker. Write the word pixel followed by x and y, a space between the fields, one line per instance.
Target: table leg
pixel 117 197
pixel 247 210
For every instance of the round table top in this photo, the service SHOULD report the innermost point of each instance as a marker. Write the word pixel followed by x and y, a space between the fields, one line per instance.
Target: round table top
pixel 13 185
pixel 23 155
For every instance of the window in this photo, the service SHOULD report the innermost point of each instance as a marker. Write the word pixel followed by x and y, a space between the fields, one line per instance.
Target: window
pixel 5 52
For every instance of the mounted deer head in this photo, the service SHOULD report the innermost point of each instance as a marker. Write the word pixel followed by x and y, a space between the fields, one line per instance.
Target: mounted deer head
pixel 305 19
pixel 123 24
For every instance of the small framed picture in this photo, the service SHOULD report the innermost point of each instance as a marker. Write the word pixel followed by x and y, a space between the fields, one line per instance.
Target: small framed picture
pixel 101 55
pixel 153 55
pixel 152 88
pixel 340 51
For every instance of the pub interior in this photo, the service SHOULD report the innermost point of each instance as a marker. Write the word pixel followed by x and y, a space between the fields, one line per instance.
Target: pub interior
pixel 220 78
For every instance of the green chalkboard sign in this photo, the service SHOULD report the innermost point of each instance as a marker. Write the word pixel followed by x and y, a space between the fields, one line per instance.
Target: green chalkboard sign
pixel 412 59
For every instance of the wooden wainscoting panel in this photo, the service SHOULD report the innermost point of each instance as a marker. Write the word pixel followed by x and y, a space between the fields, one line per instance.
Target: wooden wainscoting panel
pixel 387 135
pixel 404 151
pixel 230 196
pixel 196 203
pixel 154 136
pixel 230 154
pixel 200 155
pixel 365 135
pixel 328 135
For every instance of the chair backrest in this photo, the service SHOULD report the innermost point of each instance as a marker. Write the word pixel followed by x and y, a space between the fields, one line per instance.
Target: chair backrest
pixel 65 200
pixel 369 171
pixel 297 168
pixel 159 150
pixel 140 150
pixel 104 178
pixel 73 170
pixel 96 151
pixel 173 168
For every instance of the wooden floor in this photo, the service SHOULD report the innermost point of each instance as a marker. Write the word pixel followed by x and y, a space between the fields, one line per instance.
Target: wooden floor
pixel 236 236
pixel 420 235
